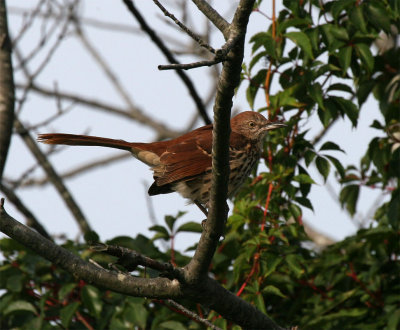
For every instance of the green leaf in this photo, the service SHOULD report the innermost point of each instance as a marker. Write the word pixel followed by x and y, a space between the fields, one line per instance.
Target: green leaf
pixel 298 22
pixel 273 261
pixel 173 325
pixel 19 305
pixel 339 33
pixel 305 202
pixel 329 145
pixel 364 90
pixel 302 41
pixel 264 39
pixel 349 196
pixel 191 226
pixel 271 289
pixel 259 302
pixel 15 283
pixel 339 6
pixel 170 221
pixel 357 19
pixel 303 178
pixel 348 107
pixel 378 16
pixel 67 312
pixel 323 166
pixel 394 209
pixel 136 314
pixel 160 229
pixel 92 300
pixel 295 210
pixel 293 264
pixel 341 87
pixel 365 55
pixel 315 91
pixel 338 165
pixel 309 156
pixel 394 320
pixel 65 290
pixel 344 57
pixel 91 236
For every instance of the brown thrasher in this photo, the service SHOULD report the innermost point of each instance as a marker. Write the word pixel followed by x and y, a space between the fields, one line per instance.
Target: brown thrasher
pixel 183 164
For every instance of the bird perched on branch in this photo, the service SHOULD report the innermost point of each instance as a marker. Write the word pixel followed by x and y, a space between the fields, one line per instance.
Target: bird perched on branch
pixel 184 164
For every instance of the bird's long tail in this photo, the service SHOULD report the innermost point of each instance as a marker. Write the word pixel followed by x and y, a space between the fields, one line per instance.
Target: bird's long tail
pixel 84 140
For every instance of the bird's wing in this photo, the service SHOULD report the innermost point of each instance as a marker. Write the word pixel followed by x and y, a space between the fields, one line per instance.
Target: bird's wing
pixel 185 159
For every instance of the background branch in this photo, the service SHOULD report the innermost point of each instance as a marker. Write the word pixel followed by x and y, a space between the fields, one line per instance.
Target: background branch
pixel 6 88
pixel 160 44
pixel 54 177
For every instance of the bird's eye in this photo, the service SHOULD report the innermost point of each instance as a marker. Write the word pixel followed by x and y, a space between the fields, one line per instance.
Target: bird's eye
pixel 252 124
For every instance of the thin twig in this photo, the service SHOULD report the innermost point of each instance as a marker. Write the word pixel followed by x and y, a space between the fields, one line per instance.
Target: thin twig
pixel 189 66
pixel 185 28
pixel 220 56
pixel 132 113
pixel 192 315
pixel 101 162
pixel 130 259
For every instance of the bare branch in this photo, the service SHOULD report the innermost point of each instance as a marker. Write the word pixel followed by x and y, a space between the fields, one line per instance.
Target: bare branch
pixel 31 220
pixel 138 287
pixel 209 292
pixel 79 169
pixel 7 90
pixel 219 22
pixel 220 56
pixel 192 315
pixel 189 65
pixel 160 44
pixel 132 113
pixel 54 177
pixel 131 259
pixel 185 28
pixel 228 81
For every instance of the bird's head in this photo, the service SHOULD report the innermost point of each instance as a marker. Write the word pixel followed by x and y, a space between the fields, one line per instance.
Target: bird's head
pixel 253 125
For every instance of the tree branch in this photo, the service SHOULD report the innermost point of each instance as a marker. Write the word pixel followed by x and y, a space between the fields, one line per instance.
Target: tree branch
pixel 31 220
pixel 197 269
pixel 209 292
pixel 132 113
pixel 7 92
pixel 219 22
pixel 134 286
pixel 54 177
pixel 167 53
pixel 184 28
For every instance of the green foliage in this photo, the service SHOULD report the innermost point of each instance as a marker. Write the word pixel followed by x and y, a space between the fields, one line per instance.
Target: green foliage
pixel 264 257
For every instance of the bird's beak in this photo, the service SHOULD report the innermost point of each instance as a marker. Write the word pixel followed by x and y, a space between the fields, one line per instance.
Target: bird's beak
pixel 274 125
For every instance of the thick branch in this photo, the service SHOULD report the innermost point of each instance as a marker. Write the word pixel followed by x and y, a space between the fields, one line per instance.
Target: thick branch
pixel 6 88
pixel 219 22
pixel 167 53
pixel 138 287
pixel 31 220
pixel 228 81
pixel 209 293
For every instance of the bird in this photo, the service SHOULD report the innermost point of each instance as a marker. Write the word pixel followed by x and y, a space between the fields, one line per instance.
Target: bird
pixel 184 164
